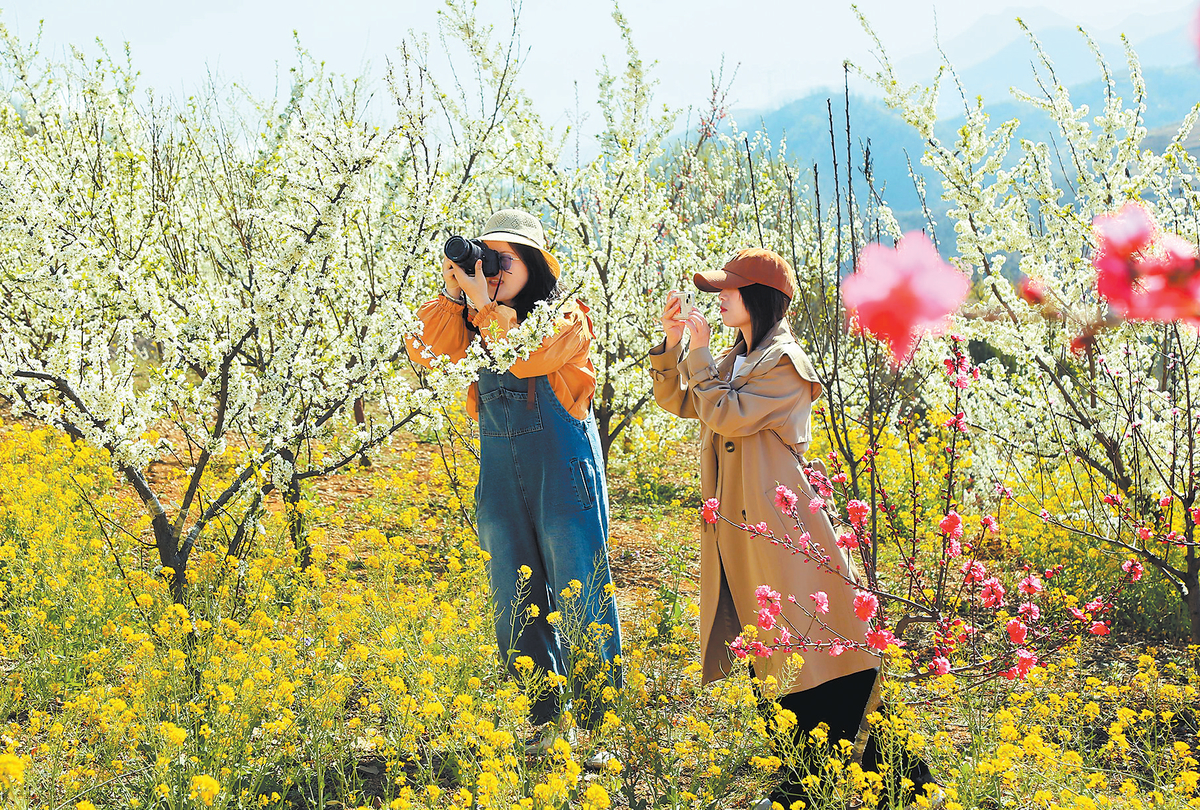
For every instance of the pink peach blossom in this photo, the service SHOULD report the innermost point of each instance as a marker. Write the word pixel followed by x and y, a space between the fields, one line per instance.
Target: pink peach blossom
pixel 1016 631
pixel 992 594
pixel 848 540
pixel 880 638
pixel 1026 661
pixel 765 596
pixel 785 499
pixel 865 605
pixel 858 511
pixel 973 572
pixel 952 525
pixel 822 600
pixel 1133 568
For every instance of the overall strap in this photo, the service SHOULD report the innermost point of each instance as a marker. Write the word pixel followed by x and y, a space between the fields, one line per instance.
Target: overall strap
pixel 531 400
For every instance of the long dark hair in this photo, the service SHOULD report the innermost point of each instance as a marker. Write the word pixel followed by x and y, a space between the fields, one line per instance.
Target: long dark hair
pixel 541 286
pixel 766 306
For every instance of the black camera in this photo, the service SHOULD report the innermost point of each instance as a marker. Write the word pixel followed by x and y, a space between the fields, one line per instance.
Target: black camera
pixel 466 252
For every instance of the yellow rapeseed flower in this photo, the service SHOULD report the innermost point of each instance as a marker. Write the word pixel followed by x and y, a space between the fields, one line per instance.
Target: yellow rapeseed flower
pixel 205 788
pixel 12 770
pixel 174 734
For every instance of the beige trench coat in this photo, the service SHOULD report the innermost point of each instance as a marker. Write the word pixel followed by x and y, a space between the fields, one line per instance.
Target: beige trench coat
pixel 742 461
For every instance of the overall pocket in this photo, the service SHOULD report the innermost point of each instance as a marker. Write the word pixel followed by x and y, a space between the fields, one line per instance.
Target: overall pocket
pixel 586 486
pixel 493 421
pixel 504 412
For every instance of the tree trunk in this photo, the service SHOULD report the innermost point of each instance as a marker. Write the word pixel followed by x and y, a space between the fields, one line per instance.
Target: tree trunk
pixel 296 523
pixel 1192 600
pixel 169 557
pixel 605 419
pixel 360 418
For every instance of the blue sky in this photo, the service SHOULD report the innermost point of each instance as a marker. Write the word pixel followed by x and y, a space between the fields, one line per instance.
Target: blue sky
pixel 782 49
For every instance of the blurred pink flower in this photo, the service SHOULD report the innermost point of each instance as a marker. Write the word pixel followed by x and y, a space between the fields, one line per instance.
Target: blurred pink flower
pixel 957 422
pixel 816 504
pixel 709 510
pixel 1126 232
pixel 766 619
pixel 940 665
pixel 836 649
pixel 973 571
pixel 1145 275
pixel 1030 611
pixel 822 600
pixel 897 293
pixel 1032 290
pixel 1098 629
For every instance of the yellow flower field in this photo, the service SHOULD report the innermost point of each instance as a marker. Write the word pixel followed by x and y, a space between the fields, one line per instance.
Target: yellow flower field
pixel 371 679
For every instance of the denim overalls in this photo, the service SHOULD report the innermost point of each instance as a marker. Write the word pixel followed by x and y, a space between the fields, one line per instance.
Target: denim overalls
pixel 542 502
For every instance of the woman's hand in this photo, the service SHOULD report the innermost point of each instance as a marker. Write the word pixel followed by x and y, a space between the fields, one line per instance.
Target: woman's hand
pixel 698 328
pixel 449 281
pixel 672 325
pixel 475 287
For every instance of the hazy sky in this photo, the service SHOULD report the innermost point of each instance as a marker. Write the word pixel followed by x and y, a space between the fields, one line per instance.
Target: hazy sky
pixel 782 48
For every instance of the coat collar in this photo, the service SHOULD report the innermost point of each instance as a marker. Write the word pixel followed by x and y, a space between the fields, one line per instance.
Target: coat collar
pixel 778 343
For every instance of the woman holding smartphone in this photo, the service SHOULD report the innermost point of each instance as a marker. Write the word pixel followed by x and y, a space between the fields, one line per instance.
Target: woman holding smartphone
pixel 754 403
pixel 541 504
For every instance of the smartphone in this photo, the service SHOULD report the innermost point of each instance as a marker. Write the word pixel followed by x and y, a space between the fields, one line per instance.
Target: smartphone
pixel 686 299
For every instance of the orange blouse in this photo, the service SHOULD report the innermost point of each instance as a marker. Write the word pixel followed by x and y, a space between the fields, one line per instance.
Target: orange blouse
pixel 563 358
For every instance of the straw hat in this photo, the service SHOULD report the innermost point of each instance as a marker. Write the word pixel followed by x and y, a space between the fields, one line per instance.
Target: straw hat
pixel 519 228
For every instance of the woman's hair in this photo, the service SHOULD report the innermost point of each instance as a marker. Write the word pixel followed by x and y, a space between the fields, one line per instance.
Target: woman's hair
pixel 541 286
pixel 766 306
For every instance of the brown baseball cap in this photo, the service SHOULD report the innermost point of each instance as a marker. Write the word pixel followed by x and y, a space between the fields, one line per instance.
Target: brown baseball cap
pixel 750 266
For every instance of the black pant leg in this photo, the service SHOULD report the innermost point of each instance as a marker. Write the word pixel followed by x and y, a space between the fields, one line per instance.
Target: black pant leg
pixel 839 704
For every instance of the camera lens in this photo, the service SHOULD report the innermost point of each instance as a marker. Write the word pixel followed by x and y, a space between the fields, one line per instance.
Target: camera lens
pixel 463 252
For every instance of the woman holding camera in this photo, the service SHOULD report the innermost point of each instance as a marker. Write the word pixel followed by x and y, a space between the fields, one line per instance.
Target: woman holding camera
pixel 542 498
pixel 754 403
